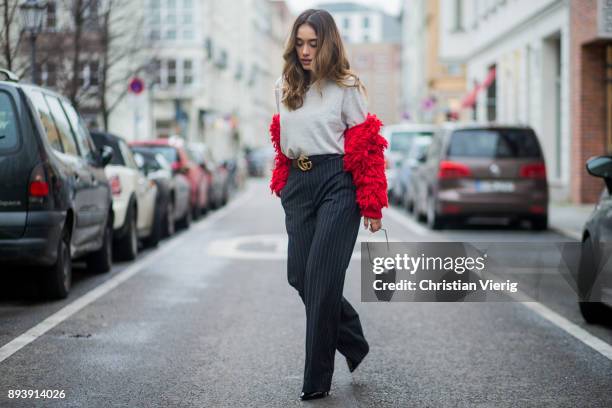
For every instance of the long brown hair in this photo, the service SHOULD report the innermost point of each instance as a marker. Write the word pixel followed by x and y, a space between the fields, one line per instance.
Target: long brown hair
pixel 330 61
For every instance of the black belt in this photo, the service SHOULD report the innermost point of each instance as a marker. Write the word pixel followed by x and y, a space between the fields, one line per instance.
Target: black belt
pixel 305 163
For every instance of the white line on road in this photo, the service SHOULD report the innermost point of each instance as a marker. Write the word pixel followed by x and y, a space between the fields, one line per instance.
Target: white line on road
pixel 540 309
pixel 64 313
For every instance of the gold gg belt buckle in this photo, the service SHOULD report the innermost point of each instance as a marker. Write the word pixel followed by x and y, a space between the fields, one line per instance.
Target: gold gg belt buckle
pixel 304 163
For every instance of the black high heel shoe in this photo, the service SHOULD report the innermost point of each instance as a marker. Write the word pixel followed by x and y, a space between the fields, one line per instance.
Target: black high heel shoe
pixel 313 395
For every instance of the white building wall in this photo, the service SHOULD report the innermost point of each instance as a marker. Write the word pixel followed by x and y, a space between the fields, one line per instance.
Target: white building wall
pixel 413 57
pixel 516 37
pixel 356 32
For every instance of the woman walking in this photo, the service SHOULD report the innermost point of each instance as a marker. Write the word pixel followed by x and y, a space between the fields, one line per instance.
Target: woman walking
pixel 329 171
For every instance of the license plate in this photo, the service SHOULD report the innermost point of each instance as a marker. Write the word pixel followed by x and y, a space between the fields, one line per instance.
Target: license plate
pixel 483 186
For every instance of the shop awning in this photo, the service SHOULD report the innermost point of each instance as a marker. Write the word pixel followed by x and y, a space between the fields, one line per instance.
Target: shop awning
pixel 470 99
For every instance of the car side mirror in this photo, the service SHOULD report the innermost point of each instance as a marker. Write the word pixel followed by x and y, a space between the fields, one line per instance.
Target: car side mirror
pixel 601 166
pixel 106 155
pixel 182 170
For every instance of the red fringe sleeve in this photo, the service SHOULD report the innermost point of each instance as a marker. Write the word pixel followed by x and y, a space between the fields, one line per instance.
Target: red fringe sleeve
pixel 280 172
pixel 364 158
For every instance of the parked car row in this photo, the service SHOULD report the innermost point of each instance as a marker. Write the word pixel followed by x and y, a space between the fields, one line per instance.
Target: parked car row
pixel 458 171
pixel 70 194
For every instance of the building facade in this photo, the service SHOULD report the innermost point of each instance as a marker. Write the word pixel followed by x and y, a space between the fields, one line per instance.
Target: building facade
pixel 591 92
pixel 372 39
pixel 517 58
pixel 212 72
pixel 433 88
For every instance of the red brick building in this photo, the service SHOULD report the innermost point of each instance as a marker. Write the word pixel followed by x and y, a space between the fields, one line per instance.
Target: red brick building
pixel 591 92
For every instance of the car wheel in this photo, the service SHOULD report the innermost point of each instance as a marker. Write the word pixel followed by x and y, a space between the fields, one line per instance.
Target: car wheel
pixel 434 220
pixel 127 246
pixel 169 219
pixel 539 223
pixel 185 222
pixel 101 261
pixel 156 230
pixel 589 293
pixel 57 279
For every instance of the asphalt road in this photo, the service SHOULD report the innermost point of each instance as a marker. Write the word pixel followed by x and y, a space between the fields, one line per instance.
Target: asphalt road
pixel 209 320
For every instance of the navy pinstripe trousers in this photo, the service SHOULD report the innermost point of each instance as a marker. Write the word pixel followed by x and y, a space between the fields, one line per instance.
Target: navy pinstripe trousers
pixel 322 219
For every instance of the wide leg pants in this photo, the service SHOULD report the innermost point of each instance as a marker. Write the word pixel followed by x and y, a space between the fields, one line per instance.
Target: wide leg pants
pixel 322 219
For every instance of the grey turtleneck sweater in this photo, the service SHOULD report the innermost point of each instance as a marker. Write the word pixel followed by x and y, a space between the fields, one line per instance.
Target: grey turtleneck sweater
pixel 318 126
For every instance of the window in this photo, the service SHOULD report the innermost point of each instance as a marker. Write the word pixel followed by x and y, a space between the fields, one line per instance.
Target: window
pixel 366 22
pixel 494 143
pixel 90 14
pixel 127 154
pixel 8 123
pixel 458 24
pixel 187 72
pixel 171 35
pixel 48 74
pixel 346 22
pixel 188 34
pixel 155 35
pixel 51 18
pixel 80 131
pixel 63 127
pixel 492 99
pixel 42 109
pixel 94 73
pixel 171 70
pixel 156 69
pixel 366 38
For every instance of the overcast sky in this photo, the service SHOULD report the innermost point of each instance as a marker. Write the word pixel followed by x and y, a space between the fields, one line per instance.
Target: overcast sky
pixel 390 6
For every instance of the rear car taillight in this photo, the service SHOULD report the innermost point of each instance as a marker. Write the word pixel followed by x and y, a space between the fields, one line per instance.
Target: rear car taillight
pixel 451 170
pixel 533 171
pixel 115 184
pixel 38 187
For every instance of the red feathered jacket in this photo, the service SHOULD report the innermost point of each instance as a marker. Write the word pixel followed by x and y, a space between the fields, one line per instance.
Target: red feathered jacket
pixel 363 158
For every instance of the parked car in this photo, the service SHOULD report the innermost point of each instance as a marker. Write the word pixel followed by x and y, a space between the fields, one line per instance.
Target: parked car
pixel 55 200
pixel 400 138
pixel 237 169
pixel 404 179
pixel 134 199
pixel 158 170
pixel 173 192
pixel 482 170
pixel 595 272
pixel 218 185
pixel 173 149
pixel 259 160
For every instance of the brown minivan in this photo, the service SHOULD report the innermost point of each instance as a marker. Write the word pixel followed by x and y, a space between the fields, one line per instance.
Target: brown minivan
pixel 482 170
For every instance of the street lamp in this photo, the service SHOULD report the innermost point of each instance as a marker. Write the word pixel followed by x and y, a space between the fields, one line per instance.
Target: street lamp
pixel 32 13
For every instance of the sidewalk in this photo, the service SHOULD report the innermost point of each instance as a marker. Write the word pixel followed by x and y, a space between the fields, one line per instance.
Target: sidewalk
pixel 568 219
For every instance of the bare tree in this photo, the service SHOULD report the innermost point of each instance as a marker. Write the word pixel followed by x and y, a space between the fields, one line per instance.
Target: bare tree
pixel 123 53
pixel 10 36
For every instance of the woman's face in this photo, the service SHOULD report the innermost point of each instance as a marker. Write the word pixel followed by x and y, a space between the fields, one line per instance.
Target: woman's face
pixel 306 45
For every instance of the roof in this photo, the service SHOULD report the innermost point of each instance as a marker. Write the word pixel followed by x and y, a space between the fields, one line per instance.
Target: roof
pixel 344 7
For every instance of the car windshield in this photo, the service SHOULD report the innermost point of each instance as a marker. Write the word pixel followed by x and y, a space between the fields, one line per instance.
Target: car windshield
pixel 494 143
pixel 168 152
pixel 8 124
pixel 401 141
pixel 100 140
pixel 419 147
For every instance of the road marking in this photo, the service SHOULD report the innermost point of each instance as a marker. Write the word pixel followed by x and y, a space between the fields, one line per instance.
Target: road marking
pixel 540 309
pixel 571 328
pixel 409 223
pixel 64 313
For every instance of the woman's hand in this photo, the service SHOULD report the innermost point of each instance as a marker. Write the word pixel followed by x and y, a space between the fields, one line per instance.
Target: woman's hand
pixel 375 224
